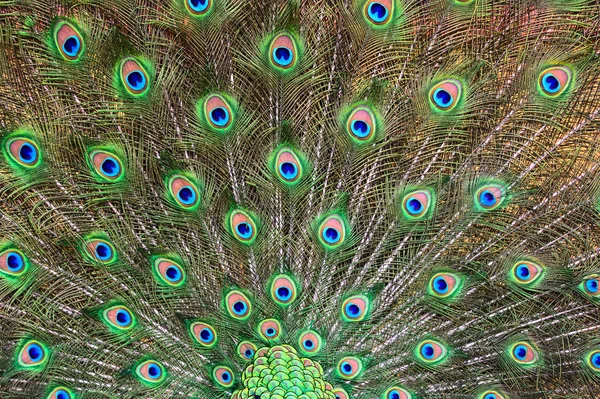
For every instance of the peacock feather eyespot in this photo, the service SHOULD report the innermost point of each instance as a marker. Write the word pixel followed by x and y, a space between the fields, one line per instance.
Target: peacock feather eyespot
pixel 283 52
pixel 491 394
pixel 238 305
pixel 183 191
pixel 553 82
pixel 361 125
pixel 332 231
pixel 246 350
pixel 349 368
pixel 151 373
pixel 203 333
pixel 99 250
pixel 431 352
pixel 283 290
pixel 592 360
pixel 118 318
pixel 310 343
pixel 198 8
pixel 269 329
pixel 527 273
pixel 33 355
pixel 217 112
pixel 590 286
pixel 340 393
pixel 168 272
pixel 22 151
pixel 396 392
pixel 489 196
pixel 523 354
pixel 61 393
pixel 13 263
pixel 288 165
pixel 418 205
pixel 68 41
pixel 378 13
pixel 446 95
pixel 134 77
pixel 243 226
pixel 106 165
pixel 446 285
pixel 355 308
pixel 223 376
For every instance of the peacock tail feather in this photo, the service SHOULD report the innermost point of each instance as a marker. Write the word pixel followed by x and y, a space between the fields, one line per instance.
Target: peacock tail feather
pixel 321 199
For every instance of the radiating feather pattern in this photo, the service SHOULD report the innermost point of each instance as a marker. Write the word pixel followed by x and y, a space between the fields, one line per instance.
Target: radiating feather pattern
pixel 421 177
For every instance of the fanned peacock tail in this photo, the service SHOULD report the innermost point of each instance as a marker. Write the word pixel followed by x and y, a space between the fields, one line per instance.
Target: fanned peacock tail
pixel 321 199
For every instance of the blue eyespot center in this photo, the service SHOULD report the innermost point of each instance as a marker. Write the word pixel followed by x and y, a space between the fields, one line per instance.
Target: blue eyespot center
pixel 270 332
pixel 110 167
pixel 427 351
pixel 239 307
pixel 27 153
pixel 153 371
pixel 394 395
pixel 249 353
pixel 288 170
pixel 520 352
pixel 198 5
pixel 331 235
pixel 414 206
pixel 377 12
pixel 442 98
pixel 71 46
pixel 596 360
pixel 346 368
pixel 206 335
pixel 226 376
pixel 103 251
pixel 219 116
pixel 360 128
pixel 440 285
pixel 244 229
pixel 14 262
pixel 523 272
pixel 187 195
pixel 308 344
pixel 353 310
pixel 136 80
pixel 551 83
pixel 123 317
pixel 62 394
pixel 173 273
pixel 284 293
pixel 490 396
pixel 487 198
pixel 35 352
pixel 592 285
pixel 282 56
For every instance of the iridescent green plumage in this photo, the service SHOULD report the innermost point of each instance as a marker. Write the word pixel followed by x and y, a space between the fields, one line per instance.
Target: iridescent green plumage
pixel 278 372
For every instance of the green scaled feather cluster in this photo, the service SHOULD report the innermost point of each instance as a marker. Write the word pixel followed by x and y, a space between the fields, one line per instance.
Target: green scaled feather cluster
pixel 278 372
pixel 316 199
